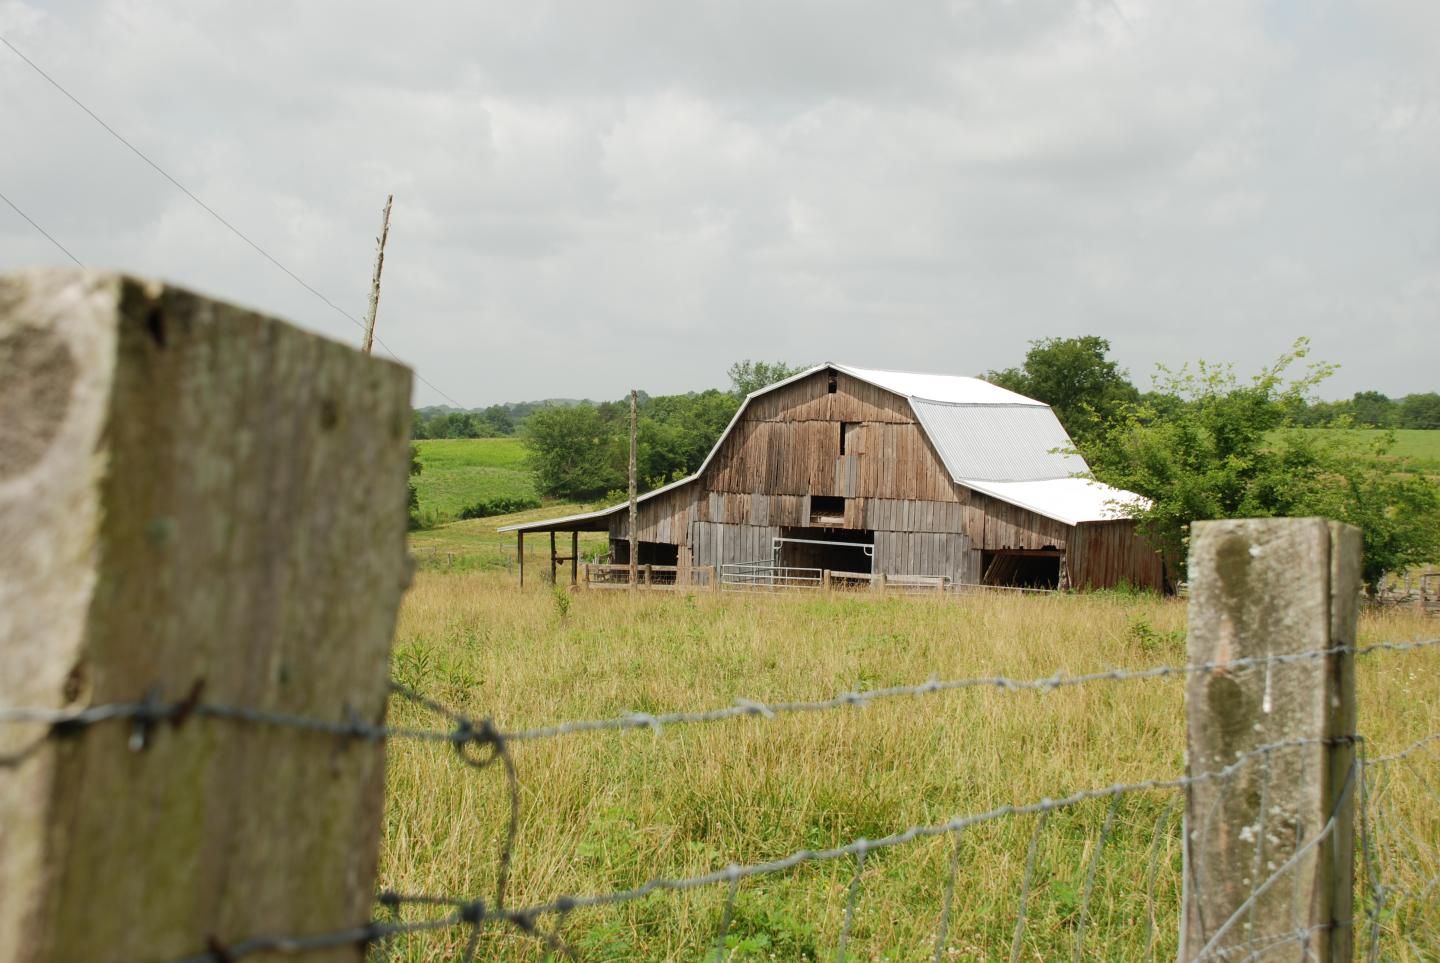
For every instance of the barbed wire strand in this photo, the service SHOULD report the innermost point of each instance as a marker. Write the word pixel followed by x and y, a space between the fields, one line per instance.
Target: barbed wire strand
pixel 858 699
pixel 152 711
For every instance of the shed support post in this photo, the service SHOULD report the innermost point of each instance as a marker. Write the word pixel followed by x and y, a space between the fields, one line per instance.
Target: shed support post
pixel 520 556
pixel 552 558
pixel 1269 847
pixel 139 563
pixel 574 557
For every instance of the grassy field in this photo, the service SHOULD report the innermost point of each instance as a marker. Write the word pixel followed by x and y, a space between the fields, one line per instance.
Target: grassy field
pixel 1420 448
pixel 602 811
pixel 476 545
pixel 460 471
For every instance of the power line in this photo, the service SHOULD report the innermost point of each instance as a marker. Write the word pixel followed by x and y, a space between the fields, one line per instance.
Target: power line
pixel 209 210
pixel 48 236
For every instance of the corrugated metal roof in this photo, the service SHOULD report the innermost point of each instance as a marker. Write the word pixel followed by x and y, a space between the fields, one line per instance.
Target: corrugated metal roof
pixel 999 442
pixel 1068 500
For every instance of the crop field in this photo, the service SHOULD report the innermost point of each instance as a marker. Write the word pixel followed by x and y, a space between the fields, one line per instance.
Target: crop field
pixel 601 811
pixel 461 471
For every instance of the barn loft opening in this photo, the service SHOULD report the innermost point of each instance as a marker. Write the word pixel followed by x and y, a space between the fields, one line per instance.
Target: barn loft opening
pixel 832 385
pixel 846 429
pixel 827 511
pixel 1022 568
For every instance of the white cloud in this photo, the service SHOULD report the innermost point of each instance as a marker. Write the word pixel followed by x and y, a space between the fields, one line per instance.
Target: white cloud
pixel 594 196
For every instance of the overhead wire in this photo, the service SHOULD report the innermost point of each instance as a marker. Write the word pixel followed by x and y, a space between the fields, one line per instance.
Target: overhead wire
pixel 209 210
pixel 48 236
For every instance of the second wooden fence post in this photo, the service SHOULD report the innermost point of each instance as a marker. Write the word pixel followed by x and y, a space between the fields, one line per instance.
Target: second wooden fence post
pixel 1269 846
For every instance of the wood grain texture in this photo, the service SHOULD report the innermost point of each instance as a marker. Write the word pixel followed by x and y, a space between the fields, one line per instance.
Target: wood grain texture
pixel 1264 587
pixel 785 448
pixel 220 500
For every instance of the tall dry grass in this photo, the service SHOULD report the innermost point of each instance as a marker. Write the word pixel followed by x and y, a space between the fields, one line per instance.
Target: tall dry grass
pixel 605 811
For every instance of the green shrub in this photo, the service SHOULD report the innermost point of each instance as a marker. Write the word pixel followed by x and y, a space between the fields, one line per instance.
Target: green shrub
pixel 500 505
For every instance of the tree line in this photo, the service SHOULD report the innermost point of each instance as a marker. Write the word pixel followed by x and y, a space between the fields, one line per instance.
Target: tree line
pixel 581 451
pixel 1202 443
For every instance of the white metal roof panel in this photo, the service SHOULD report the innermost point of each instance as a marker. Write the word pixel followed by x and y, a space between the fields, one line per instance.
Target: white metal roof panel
pixel 955 389
pixel 1068 500
pixel 999 442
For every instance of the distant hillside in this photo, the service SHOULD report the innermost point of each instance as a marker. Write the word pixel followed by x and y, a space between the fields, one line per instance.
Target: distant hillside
pixel 459 472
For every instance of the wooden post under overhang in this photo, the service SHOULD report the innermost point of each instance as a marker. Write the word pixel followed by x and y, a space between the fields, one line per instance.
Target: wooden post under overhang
pixel 520 555
pixel 574 557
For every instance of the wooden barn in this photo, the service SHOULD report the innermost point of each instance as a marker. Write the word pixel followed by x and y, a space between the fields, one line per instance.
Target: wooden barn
pixel 910 475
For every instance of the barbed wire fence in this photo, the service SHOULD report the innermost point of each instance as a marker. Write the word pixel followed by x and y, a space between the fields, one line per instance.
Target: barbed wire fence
pixel 1390 852
pixel 1281 797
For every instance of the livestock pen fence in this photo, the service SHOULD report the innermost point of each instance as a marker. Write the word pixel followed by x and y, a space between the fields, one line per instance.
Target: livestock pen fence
pixel 196 704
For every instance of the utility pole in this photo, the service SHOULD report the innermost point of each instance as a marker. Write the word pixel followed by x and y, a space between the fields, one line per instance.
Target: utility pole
pixel 375 281
pixel 634 542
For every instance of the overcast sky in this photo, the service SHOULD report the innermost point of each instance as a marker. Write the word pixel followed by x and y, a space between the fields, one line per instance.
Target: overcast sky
pixel 596 195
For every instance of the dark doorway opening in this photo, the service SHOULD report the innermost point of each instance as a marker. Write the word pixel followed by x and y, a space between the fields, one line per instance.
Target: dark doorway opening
pixel 1022 568
pixel 839 550
pixel 647 553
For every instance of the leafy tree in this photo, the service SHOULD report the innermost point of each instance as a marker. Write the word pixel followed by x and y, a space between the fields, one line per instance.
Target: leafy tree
pixel 1074 377
pixel 494 422
pixel 574 452
pixel 747 376
pixel 1420 411
pixel 1227 452
pixel 1373 410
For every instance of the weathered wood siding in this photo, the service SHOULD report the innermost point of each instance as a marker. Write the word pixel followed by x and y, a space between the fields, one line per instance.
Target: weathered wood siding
pixel 1105 554
pixel 788 443
pixel 664 518
pixel 717 544
pixel 786 448
pixel 927 553
pixel 1010 526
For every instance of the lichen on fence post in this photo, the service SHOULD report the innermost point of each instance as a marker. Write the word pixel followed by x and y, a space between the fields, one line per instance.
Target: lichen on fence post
pixel 195 501
pixel 1269 849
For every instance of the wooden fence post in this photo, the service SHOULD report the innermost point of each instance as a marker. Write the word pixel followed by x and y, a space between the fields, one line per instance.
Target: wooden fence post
pixel 879 583
pixel 195 501
pixel 1269 850
pixel 714 574
pixel 825 580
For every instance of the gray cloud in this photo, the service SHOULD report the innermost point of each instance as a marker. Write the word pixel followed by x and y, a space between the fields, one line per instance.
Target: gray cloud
pixel 595 195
